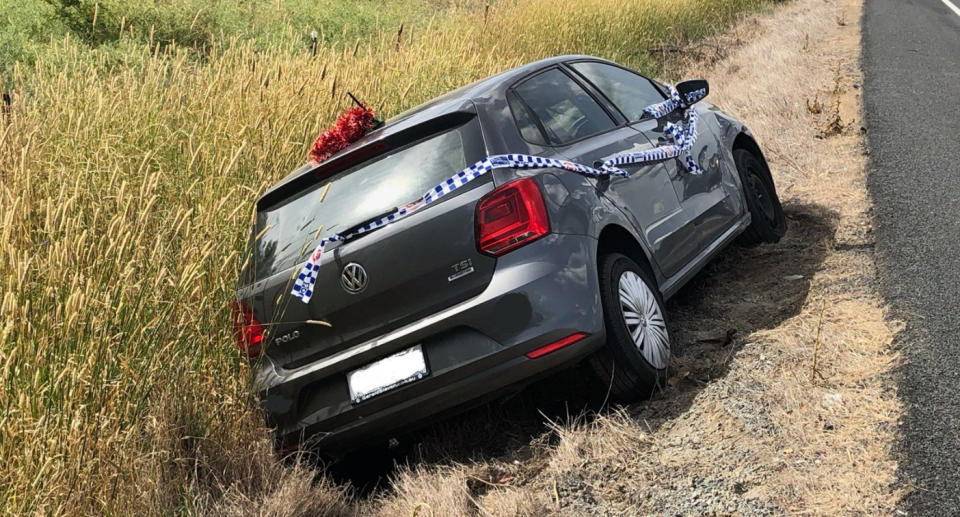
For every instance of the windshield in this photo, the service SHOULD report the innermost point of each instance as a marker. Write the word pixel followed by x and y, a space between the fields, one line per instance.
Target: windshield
pixel 287 232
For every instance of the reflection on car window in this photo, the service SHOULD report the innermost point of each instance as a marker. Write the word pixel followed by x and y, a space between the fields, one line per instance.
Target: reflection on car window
pixel 292 228
pixel 628 91
pixel 525 122
pixel 566 111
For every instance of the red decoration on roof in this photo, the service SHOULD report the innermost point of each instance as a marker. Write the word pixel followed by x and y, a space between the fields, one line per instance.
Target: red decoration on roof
pixel 351 125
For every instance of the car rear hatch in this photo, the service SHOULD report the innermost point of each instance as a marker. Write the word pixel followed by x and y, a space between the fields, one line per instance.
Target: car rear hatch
pixel 411 268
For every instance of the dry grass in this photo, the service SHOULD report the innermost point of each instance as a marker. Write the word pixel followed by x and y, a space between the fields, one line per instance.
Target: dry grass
pixel 126 186
pixel 797 414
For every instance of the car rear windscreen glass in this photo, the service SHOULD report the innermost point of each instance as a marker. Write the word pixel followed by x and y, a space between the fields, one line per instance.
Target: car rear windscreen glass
pixel 287 232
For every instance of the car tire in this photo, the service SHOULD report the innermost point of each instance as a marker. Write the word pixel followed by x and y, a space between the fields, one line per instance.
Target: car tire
pixel 768 223
pixel 630 368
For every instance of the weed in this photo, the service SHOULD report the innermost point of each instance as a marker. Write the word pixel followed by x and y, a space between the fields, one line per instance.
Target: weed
pixel 815 107
pixel 815 369
pixel 834 124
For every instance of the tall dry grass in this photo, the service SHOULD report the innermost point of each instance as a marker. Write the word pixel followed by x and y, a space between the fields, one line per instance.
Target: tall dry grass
pixel 127 189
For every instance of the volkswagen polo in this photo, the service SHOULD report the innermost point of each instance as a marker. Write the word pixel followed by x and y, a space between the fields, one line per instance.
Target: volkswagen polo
pixel 515 274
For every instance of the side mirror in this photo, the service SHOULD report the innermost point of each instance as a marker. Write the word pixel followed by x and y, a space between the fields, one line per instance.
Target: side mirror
pixel 693 90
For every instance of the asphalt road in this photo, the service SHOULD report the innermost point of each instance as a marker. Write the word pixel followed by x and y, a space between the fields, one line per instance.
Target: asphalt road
pixel 911 62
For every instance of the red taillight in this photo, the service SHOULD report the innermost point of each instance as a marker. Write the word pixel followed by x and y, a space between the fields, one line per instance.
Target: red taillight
pixel 247 331
pixel 511 216
pixel 556 345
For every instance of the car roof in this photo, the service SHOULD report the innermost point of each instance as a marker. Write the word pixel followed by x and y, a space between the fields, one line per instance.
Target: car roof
pixel 461 99
pixel 480 89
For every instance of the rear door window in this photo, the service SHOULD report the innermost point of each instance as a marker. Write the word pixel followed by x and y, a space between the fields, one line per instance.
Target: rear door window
pixel 628 91
pixel 566 111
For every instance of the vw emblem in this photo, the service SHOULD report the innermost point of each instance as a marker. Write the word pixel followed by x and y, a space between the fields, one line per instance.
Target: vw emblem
pixel 353 278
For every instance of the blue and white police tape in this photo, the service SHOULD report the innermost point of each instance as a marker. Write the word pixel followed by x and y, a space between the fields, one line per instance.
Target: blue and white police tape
pixel 683 139
pixel 307 278
pixel 662 109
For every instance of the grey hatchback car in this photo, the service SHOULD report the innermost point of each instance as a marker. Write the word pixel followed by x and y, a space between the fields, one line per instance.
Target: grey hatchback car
pixel 517 274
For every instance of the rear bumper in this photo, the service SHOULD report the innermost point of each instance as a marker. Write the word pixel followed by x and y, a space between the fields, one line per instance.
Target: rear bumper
pixel 474 350
pixel 427 401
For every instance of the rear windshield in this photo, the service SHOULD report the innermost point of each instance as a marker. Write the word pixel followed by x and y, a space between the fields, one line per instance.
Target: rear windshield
pixel 287 232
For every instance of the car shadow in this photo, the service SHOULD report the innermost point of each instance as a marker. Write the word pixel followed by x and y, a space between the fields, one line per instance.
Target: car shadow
pixel 742 291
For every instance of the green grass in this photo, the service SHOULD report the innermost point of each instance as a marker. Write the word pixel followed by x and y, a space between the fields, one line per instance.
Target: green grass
pixel 27 27
pixel 128 169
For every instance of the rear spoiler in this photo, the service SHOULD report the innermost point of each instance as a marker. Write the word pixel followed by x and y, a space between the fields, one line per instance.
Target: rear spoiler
pixel 360 153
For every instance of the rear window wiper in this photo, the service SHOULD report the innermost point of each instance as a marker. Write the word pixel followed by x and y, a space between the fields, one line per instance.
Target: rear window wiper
pixel 346 233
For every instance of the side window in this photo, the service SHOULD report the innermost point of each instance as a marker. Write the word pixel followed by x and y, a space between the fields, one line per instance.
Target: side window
pixel 525 121
pixel 628 91
pixel 566 110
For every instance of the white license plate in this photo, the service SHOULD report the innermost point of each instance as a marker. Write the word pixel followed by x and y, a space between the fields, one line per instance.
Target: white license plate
pixel 387 374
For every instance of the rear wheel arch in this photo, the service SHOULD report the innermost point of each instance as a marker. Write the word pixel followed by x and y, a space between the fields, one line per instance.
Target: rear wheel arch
pixel 617 239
